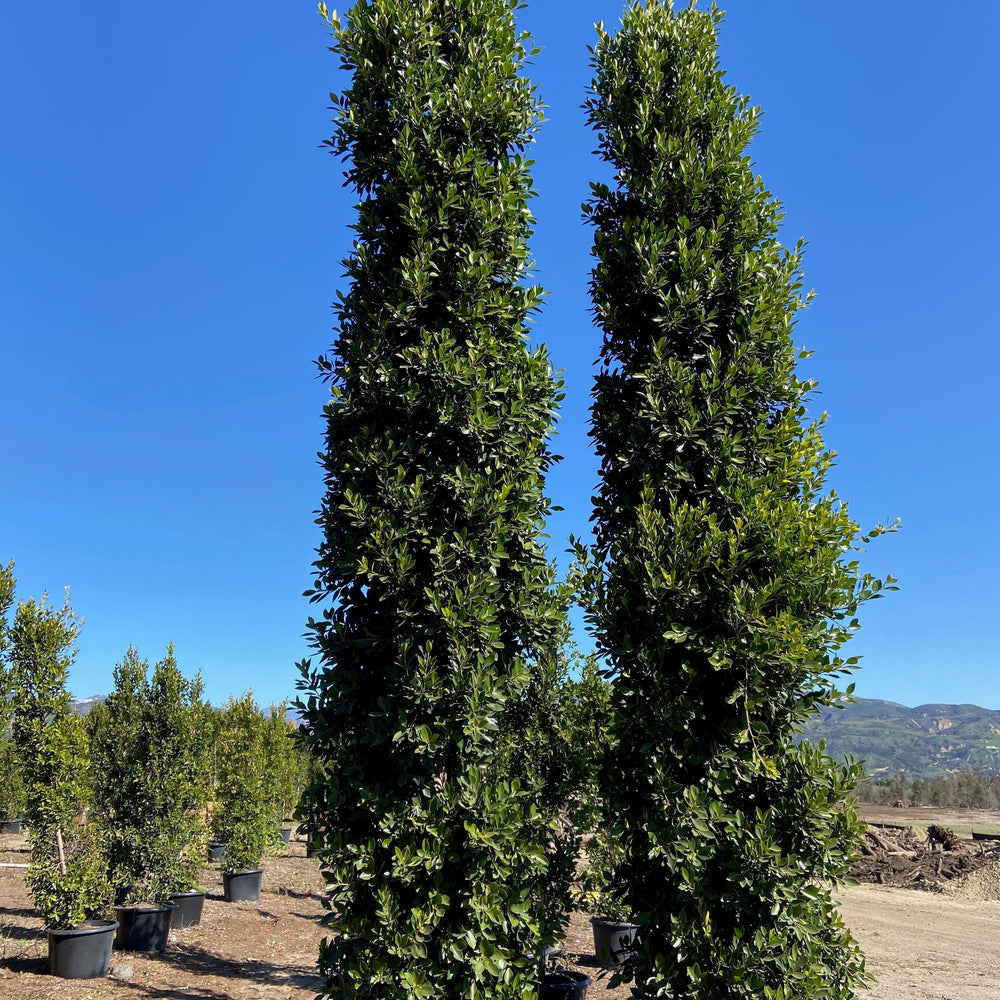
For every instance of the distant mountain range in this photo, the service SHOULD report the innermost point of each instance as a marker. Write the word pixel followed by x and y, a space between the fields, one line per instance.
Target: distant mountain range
pixel 84 705
pixel 924 741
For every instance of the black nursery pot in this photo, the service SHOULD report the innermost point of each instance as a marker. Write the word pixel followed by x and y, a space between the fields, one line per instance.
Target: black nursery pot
pixel 216 851
pixel 83 952
pixel 143 928
pixel 565 985
pixel 613 941
pixel 242 886
pixel 189 907
pixel 12 826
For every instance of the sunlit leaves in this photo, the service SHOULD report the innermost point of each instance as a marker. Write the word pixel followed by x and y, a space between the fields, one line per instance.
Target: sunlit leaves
pixel 435 601
pixel 722 583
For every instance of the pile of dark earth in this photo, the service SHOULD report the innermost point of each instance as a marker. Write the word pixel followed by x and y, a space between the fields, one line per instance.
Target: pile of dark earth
pixel 920 859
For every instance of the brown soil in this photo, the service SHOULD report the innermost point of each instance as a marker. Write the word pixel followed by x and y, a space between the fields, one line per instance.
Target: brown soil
pixel 925 946
pixel 240 951
pixel 985 820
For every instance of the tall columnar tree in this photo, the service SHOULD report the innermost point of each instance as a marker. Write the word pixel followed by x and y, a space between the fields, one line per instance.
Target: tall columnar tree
pixel 438 598
pixel 119 746
pixel 724 583
pixel 285 763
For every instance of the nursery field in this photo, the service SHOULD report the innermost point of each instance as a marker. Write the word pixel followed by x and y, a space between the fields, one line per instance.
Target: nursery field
pixel 240 951
pixel 962 821
pixel 921 945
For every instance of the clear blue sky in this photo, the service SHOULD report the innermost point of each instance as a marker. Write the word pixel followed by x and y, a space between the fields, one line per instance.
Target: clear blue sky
pixel 170 237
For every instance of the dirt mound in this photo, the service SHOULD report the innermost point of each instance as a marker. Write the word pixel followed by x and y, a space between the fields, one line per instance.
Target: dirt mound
pixel 936 860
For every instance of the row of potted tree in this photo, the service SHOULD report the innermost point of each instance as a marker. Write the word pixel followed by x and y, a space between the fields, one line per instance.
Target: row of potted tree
pixel 120 806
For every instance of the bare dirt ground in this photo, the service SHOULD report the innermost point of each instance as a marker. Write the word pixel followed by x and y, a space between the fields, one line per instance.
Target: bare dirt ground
pixel 942 944
pixel 962 821
pixel 925 946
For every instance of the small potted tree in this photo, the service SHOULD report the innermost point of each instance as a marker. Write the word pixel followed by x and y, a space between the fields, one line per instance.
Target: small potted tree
pixel 66 875
pixel 151 785
pixel 243 820
pixel 283 777
pixel 614 933
pixel 12 799
pixel 214 720
pixel 180 728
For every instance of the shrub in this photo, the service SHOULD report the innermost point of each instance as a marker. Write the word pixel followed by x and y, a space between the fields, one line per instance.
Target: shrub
pixel 535 748
pixel 67 873
pixel 12 797
pixel 284 768
pixel 70 890
pixel 600 885
pixel 12 794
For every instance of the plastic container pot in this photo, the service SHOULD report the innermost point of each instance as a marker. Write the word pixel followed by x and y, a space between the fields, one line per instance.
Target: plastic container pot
pixel 565 985
pixel 242 886
pixel 189 908
pixel 614 941
pixel 143 928
pixel 216 851
pixel 83 952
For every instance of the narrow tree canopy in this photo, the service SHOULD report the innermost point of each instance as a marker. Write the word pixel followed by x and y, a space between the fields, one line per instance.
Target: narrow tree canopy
pixel 723 580
pixel 438 601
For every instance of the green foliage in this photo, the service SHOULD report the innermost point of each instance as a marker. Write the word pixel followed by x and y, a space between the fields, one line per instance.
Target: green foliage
pixel 66 874
pixel 12 797
pixel 49 743
pixel 536 747
pixel 39 653
pixel 8 583
pixel 150 750
pixel 585 720
pixel 59 782
pixel 66 899
pixel 244 820
pixel 285 770
pixel 439 602
pixel 12 794
pixel 214 719
pixel 722 584
pixel 600 891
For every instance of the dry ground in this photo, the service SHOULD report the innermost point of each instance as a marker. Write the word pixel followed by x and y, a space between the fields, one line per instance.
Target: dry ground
pixel 925 946
pixel 921 945
pixel 962 821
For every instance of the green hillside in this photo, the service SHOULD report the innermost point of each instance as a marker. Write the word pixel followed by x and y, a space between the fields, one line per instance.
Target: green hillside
pixel 924 741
